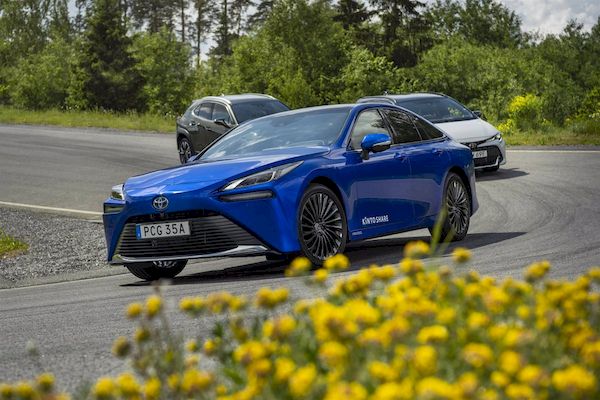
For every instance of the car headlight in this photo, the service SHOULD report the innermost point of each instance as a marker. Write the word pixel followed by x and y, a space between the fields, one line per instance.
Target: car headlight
pixel 117 192
pixel 498 136
pixel 262 177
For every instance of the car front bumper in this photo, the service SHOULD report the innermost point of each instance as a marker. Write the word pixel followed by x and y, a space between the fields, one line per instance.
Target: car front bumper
pixel 496 153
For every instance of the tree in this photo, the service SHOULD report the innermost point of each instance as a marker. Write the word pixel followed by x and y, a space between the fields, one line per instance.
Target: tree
pixel 222 35
pixel 108 74
pixel 183 6
pixel 258 18
pixel 154 13
pixel 351 13
pixel 202 25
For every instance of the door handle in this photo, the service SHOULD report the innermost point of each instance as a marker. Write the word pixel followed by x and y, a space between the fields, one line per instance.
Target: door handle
pixel 437 152
pixel 192 123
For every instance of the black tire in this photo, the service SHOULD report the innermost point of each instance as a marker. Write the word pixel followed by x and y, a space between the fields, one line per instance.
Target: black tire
pixel 492 169
pixel 186 149
pixel 152 271
pixel 457 206
pixel 322 226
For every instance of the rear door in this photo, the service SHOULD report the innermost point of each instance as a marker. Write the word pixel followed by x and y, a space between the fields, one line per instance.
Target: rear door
pixel 429 161
pixel 201 117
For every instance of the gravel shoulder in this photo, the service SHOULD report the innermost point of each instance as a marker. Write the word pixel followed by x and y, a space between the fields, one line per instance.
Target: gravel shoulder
pixel 60 249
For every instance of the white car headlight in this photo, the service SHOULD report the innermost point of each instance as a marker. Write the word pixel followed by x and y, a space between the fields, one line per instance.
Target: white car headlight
pixel 498 136
pixel 262 177
pixel 117 192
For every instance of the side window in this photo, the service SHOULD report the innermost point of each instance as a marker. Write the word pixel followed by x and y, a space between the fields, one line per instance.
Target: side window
pixel 369 121
pixel 404 129
pixel 204 110
pixel 426 130
pixel 220 112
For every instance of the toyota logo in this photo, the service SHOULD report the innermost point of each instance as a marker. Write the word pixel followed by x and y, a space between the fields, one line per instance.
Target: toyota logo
pixel 160 203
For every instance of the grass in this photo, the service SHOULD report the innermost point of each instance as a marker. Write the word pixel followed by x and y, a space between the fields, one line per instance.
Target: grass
pixel 582 132
pixel 10 246
pixel 98 119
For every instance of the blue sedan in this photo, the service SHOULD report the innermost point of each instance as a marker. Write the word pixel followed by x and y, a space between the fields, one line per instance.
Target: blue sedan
pixel 300 182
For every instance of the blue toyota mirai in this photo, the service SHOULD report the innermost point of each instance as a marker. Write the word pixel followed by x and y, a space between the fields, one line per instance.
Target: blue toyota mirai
pixel 302 182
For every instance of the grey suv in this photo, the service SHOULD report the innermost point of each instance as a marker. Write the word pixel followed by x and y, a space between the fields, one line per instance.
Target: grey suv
pixel 210 117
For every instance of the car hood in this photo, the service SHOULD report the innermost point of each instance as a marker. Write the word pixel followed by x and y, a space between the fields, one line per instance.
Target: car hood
pixel 472 130
pixel 200 174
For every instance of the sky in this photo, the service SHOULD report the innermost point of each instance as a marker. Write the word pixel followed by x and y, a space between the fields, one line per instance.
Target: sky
pixel 543 16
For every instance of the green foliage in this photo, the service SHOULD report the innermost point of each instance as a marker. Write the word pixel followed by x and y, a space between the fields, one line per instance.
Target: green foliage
pixel 42 79
pixel 163 63
pixel 526 111
pixel 11 246
pixel 590 106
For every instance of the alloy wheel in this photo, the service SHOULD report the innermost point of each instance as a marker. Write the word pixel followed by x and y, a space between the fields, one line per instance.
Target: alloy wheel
pixel 185 151
pixel 321 228
pixel 457 203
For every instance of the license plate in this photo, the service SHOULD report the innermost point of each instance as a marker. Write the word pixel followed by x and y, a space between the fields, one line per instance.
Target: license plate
pixel 162 230
pixel 480 154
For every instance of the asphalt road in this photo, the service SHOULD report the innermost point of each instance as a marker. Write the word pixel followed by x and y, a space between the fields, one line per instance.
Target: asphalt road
pixel 542 205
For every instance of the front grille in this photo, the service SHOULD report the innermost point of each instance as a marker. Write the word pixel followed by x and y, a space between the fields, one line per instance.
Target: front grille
pixel 209 233
pixel 493 153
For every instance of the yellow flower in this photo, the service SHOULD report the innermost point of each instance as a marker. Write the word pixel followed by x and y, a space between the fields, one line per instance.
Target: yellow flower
pixel 433 334
pixel 194 381
pixel 301 381
pixel 332 353
pixel 249 352
pixel 477 320
pixel 337 263
pixel 191 304
pixel 394 391
pixel 591 353
pixel 209 347
pixel 141 335
pixel 45 382
pixel 153 305
pixel 510 362
pixel 24 390
pixel 477 354
pixel 537 271
pixel 461 255
pixel 173 381
pixel 416 249
pixel 425 360
pixel 259 368
pixel 321 275
pixel 280 327
pixel 384 273
pixel 410 266
pixel 499 379
pixel 345 390
pixel 267 298
pixel 191 346
pixel 468 384
pixel 382 371
pixel 300 266
pixel 517 391
pixel 436 388
pixel 6 391
pixel 128 386
pixel 121 347
pixel 152 388
pixel 104 388
pixel 594 274
pixel 284 368
pixel 574 380
pixel 533 375
pixel 134 310
pixel 446 315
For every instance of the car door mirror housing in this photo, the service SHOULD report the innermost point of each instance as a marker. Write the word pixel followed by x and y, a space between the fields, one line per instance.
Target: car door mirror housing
pixel 374 143
pixel 222 122
pixel 479 114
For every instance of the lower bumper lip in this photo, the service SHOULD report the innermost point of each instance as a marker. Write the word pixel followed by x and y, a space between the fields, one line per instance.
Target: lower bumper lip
pixel 239 251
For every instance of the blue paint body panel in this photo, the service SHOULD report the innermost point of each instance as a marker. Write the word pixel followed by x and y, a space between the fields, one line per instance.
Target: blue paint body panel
pixel 395 190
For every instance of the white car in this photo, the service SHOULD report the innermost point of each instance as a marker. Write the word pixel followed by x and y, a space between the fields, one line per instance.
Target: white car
pixel 461 124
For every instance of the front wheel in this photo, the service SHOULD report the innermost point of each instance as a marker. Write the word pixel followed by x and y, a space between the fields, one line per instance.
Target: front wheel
pixel 186 150
pixel 456 210
pixel 322 227
pixel 152 271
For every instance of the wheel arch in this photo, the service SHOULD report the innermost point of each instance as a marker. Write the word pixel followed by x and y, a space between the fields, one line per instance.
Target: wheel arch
pixel 330 184
pixel 463 177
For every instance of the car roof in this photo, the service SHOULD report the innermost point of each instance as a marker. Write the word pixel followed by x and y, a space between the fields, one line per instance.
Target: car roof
pixel 237 98
pixel 399 97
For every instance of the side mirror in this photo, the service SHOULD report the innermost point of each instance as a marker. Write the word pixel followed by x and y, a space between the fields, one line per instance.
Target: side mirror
pixel 374 143
pixel 479 114
pixel 222 122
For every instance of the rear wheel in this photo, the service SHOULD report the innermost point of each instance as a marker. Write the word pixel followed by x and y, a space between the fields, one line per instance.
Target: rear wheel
pixel 186 149
pixel 151 271
pixel 322 228
pixel 457 206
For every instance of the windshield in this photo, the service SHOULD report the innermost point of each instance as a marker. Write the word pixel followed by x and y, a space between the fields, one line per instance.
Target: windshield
pixel 438 109
pixel 316 127
pixel 256 109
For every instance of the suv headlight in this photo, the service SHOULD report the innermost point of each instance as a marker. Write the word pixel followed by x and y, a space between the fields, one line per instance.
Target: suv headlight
pixel 262 177
pixel 117 192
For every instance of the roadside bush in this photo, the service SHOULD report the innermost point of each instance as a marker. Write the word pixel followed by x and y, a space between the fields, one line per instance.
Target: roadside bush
pixel 526 112
pixel 404 331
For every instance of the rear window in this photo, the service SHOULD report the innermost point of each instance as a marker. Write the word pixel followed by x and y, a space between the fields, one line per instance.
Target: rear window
pixel 255 109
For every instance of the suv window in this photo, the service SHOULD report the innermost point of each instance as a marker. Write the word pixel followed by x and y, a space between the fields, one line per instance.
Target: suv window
pixel 427 131
pixel 255 109
pixel 220 112
pixel 204 110
pixel 369 121
pixel 404 129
